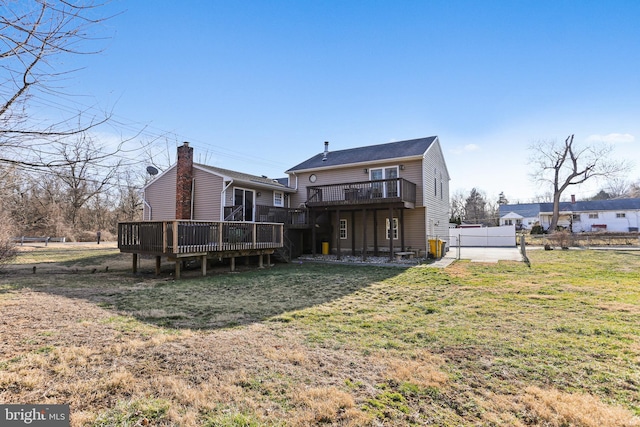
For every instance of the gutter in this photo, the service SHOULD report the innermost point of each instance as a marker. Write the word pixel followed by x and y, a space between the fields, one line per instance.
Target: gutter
pixel 147 204
pixel 222 198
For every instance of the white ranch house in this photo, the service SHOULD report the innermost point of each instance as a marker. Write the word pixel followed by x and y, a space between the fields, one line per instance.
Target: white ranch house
pixel 618 215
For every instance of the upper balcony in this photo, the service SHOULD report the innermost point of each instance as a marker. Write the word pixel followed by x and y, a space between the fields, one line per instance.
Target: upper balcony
pixel 377 192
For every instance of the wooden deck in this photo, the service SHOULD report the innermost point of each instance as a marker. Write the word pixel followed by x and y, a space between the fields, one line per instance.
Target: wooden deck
pixel 189 238
pixel 182 239
pixel 372 193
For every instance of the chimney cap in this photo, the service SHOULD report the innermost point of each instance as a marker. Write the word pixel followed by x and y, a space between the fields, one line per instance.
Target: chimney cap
pixel 185 143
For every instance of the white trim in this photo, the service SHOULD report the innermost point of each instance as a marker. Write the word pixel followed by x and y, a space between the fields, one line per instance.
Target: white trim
pixel 346 229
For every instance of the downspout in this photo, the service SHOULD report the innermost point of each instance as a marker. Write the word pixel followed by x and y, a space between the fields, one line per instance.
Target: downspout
pixel 223 199
pixel 144 201
pixel 193 189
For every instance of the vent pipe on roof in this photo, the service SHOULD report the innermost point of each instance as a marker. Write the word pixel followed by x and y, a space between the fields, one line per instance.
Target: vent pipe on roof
pixel 326 150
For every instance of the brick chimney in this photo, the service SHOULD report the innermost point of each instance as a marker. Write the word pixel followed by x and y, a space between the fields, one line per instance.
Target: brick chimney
pixel 573 198
pixel 184 181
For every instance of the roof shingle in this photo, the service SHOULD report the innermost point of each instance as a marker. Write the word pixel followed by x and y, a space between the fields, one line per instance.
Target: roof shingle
pixel 391 150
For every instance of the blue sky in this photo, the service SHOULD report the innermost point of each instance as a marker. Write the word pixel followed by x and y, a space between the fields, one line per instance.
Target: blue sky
pixel 258 86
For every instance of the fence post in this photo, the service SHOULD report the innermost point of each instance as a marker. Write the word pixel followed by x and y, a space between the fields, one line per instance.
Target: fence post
pixel 523 250
pixel 459 238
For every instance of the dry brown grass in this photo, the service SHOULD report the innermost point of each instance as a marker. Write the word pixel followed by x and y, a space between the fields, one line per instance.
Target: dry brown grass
pixel 328 406
pixel 558 409
pixel 424 370
pixel 421 348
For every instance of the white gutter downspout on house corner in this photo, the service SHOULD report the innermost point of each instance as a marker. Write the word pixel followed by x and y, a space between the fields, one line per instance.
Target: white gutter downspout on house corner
pixel 223 199
pixel 193 189
pixel 144 201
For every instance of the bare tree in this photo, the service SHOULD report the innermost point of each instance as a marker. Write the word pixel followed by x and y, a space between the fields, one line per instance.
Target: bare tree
pixel 634 189
pixel 33 35
pixel 85 172
pixel 456 207
pixel 618 187
pixel 564 165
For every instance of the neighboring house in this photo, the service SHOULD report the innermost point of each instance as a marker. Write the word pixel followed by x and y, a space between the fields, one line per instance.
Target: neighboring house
pixel 523 215
pixel 618 215
pixel 389 198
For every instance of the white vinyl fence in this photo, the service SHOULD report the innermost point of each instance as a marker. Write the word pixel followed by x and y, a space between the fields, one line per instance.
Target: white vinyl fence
pixel 504 236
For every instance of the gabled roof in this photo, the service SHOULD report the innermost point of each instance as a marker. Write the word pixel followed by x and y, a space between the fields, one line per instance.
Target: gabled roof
pixel 371 153
pixel 525 210
pixel 512 215
pixel 530 210
pixel 261 181
pixel 595 205
pixel 237 177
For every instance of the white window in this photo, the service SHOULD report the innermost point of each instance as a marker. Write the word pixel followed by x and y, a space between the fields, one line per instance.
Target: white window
pixel 621 215
pixel 278 198
pixel 508 222
pixel 388 188
pixel 575 217
pixel 593 216
pixel 395 228
pixel 343 229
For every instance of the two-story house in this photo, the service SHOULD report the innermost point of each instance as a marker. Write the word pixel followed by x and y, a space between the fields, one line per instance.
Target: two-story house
pixel 388 198
pixel 385 198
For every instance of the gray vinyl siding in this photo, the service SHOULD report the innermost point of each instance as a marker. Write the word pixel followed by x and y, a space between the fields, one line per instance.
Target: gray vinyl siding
pixel 207 195
pixel 161 196
pixel 412 172
pixel 414 230
pixel 436 196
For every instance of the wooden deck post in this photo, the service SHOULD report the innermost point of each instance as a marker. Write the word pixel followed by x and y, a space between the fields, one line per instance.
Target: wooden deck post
pixel 375 233
pixel 175 237
pixel 268 260
pixel 178 265
pixel 401 230
pixel 313 233
pixel 204 265
pixel 260 261
pixel 338 245
pixel 164 237
pixel 134 263
pixel 390 233
pixel 364 234
pixel 255 234
pixel 158 263
pixel 353 233
pixel 233 263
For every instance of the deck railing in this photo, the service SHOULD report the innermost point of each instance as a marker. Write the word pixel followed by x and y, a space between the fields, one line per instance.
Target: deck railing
pixel 364 192
pixel 185 237
pixel 291 217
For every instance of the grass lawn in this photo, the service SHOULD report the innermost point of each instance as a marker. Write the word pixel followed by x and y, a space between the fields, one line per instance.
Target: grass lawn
pixel 556 344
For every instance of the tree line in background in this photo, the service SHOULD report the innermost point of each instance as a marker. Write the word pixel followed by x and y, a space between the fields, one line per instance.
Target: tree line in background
pixel 56 179
pixel 476 208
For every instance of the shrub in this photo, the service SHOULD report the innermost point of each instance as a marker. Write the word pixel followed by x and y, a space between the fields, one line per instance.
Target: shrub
pixel 563 238
pixel 7 245
pixel 537 229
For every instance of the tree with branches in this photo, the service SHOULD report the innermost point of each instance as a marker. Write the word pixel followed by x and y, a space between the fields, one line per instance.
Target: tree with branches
pixel 562 165
pixel 35 35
